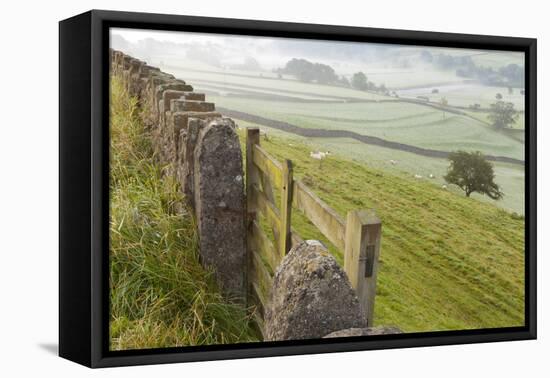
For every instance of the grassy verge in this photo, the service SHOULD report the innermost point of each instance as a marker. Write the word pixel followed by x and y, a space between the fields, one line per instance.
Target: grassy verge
pixel 160 295
pixel 447 263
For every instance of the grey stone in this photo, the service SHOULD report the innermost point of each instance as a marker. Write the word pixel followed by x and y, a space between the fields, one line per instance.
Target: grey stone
pixel 178 85
pixel 311 296
pixel 191 106
pixel 194 96
pixel 220 205
pixel 186 126
pixel 371 331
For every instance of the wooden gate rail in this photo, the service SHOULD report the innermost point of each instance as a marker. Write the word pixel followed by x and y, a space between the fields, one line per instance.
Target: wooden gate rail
pixel 358 237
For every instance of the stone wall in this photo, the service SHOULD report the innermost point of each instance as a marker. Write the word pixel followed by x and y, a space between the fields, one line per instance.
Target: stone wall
pixel 200 149
pixel 311 296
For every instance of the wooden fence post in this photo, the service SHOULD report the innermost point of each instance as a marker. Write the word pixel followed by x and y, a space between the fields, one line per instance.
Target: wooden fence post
pixel 285 239
pixel 363 232
pixel 252 178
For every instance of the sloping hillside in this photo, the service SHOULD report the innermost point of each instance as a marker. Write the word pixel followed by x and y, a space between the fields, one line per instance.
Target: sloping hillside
pixel 447 262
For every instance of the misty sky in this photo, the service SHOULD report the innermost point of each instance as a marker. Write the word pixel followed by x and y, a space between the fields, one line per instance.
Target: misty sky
pixel 273 52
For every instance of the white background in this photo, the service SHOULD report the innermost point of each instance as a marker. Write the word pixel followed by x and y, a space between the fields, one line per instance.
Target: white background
pixel 29 187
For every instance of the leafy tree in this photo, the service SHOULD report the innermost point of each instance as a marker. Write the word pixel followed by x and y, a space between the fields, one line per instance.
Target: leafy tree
pixel 498 96
pixel 301 68
pixel 503 114
pixel 307 71
pixel 359 81
pixel 471 172
pixel 324 74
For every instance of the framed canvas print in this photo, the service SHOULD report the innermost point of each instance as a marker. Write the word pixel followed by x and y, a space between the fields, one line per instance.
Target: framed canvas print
pixel 234 188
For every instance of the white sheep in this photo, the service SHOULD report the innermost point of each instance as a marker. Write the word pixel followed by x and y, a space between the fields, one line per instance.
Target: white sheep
pixel 318 155
pixel 393 162
pixel 444 187
pixel 417 176
pixel 431 175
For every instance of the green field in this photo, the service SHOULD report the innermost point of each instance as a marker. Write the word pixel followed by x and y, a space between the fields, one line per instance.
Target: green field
pixel 309 105
pixel 510 177
pixel 395 121
pixel 195 77
pixel 447 261
pixel 464 95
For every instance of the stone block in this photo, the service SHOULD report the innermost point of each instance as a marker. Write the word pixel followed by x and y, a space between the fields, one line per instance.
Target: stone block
pixel 311 296
pixel 220 205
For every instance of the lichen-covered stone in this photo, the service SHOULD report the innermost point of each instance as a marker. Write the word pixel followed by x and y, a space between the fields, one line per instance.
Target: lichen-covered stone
pixel 311 296
pixel 371 331
pixel 187 126
pixel 220 206
pixel 191 106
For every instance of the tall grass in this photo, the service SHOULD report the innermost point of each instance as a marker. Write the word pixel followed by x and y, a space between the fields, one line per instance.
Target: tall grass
pixel 160 295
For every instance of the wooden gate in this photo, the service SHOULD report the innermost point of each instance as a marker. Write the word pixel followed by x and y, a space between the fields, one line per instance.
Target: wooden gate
pixel 271 195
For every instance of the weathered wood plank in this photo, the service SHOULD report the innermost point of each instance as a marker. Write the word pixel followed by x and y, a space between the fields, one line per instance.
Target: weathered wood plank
pixel 260 296
pixel 363 234
pixel 252 173
pixel 252 178
pixel 259 241
pixel 260 277
pixel 267 189
pixel 285 241
pixel 320 214
pixel 260 323
pixel 271 167
pixel 268 210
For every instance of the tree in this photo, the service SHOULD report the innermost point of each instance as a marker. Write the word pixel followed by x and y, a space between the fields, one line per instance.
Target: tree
pixel 301 68
pixel 471 172
pixel 359 81
pixel 498 96
pixel 503 114
pixel 307 71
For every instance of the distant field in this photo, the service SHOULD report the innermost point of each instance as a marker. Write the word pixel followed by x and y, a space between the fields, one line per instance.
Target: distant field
pixel 447 261
pixel 464 95
pixel 327 107
pixel 497 59
pixel 410 78
pixel 273 84
pixel 400 122
pixel 518 126
pixel 509 176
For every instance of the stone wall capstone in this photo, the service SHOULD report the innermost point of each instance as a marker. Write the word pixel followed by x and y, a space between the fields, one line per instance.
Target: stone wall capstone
pixel 311 296
pixel 219 203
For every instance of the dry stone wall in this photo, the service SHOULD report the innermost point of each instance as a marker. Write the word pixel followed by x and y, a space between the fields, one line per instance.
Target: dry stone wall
pixel 200 149
pixel 311 296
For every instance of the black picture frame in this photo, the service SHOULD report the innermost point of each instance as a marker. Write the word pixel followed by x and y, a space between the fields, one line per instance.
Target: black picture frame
pixel 84 197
